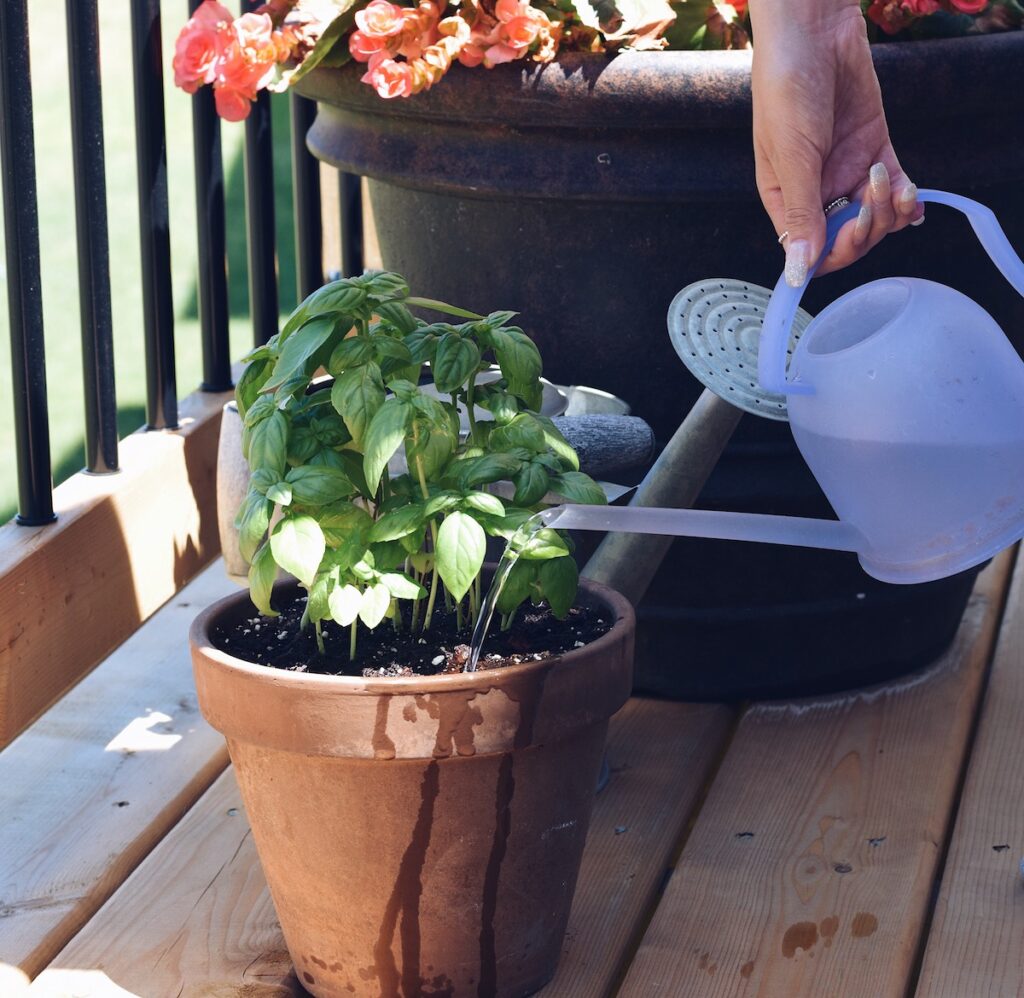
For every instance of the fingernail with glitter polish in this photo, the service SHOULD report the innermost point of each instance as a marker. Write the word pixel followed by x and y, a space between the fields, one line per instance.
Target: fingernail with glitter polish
pixel 878 177
pixel 797 261
pixel 863 225
pixel 908 199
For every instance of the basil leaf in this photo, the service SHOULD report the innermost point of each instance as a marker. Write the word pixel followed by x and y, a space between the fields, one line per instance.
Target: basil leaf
pixel 317 485
pixel 401 586
pixel 486 469
pixel 461 544
pixel 559 579
pixel 455 362
pixel 262 574
pixel 484 502
pixel 268 444
pixel 252 522
pixel 517 586
pixel 531 484
pixel 298 350
pixel 578 487
pixel 384 436
pixel 374 604
pixel 280 493
pixel 396 524
pixel 545 544
pixel 251 383
pixel 358 396
pixel 354 351
pixel 298 546
pixel 343 603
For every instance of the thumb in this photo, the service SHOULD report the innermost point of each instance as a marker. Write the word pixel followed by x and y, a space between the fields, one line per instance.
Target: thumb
pixel 804 218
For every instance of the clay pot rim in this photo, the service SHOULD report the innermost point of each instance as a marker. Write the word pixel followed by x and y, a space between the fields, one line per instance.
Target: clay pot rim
pixel 199 639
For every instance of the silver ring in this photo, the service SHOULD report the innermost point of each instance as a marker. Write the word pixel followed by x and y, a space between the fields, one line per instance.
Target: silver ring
pixel 836 205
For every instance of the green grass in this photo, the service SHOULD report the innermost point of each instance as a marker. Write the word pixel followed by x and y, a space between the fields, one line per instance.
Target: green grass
pixel 57 234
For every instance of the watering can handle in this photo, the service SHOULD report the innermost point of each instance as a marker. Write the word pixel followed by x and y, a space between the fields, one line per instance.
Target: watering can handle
pixel 778 319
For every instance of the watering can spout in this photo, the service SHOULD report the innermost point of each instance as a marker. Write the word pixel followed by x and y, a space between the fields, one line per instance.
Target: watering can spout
pixel 719 525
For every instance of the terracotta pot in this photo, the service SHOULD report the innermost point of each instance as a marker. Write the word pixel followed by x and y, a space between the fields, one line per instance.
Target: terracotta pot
pixel 420 836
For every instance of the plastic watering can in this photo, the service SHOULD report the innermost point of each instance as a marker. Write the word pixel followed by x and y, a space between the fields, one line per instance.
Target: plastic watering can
pixel 907 402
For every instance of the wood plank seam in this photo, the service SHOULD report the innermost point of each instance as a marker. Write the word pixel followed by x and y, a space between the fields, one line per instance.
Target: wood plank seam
pixel 917 965
pixel 642 923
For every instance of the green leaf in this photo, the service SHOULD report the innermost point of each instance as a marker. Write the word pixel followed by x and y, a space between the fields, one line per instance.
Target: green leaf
pixel 502 405
pixel 343 603
pixel 298 350
pixel 519 360
pixel 261 408
pixel 397 315
pixel 302 444
pixel 298 545
pixel 557 443
pixel 484 502
pixel 352 464
pixel 422 345
pixel 431 445
pixel 280 493
pixel 441 503
pixel 486 469
pixel 318 485
pixel 545 544
pixel 317 600
pixel 262 479
pixel 389 349
pixel 517 585
pixel 461 544
pixel 401 586
pixel 497 319
pixel 559 579
pixel 575 486
pixel 388 555
pixel 391 526
pixel 342 521
pixel 523 431
pixel 262 574
pixel 531 484
pixel 383 437
pixel 373 606
pixel 250 384
pixel 384 285
pixel 358 396
pixel 351 352
pixel 455 362
pixel 440 306
pixel 252 522
pixel 268 444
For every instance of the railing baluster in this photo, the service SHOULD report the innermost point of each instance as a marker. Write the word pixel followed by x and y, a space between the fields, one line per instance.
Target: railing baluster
pixel 151 155
pixel 259 213
pixel 93 247
pixel 309 263
pixel 212 239
pixel 351 198
pixel 25 303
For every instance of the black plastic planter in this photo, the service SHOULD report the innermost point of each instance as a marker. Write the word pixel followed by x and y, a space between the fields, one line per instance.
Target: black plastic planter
pixel 586 193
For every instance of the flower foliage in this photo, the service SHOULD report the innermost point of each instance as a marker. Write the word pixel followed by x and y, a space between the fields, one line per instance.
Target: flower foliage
pixel 407 49
pixel 364 487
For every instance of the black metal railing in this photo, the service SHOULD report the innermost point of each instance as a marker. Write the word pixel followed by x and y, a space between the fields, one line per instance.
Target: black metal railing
pixel 32 443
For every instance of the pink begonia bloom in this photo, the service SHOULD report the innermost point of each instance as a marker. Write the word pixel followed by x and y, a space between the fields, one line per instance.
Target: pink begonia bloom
pixel 380 19
pixel 389 77
pixel 921 8
pixel 200 42
pixel 455 27
pixel 520 33
pixel 969 6
pixel 471 55
pixel 244 66
pixel 505 10
pixel 232 105
pixel 363 47
pixel 498 54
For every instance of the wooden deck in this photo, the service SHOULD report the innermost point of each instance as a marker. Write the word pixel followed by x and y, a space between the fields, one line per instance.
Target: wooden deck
pixel 865 844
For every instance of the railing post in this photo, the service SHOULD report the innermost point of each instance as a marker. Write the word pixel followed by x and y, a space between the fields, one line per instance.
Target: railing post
pixel 151 155
pixel 350 191
pixel 211 238
pixel 309 262
pixel 25 302
pixel 93 246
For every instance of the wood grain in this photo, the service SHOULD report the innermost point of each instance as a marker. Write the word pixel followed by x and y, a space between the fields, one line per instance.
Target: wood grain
pixel 976 946
pixel 123 544
pixel 88 790
pixel 809 869
pixel 196 917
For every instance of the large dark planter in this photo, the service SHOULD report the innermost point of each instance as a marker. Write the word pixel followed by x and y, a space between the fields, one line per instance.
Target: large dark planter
pixel 587 192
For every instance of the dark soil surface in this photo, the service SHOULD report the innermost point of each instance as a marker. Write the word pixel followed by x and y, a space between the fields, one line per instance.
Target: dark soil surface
pixel 279 643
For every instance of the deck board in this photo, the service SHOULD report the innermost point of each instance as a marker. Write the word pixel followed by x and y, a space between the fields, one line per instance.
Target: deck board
pixel 88 790
pixel 196 916
pixel 809 869
pixel 975 946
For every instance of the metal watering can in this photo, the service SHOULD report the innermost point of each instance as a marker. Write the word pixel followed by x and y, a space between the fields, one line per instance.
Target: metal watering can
pixel 905 399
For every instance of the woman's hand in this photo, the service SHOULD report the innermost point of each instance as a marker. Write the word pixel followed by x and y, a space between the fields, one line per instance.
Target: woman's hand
pixel 820 132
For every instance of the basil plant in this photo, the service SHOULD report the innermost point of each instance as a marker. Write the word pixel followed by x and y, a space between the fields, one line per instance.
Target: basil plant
pixel 369 543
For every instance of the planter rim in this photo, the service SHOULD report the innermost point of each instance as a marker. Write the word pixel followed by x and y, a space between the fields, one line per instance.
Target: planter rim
pixel 686 88
pixel 199 639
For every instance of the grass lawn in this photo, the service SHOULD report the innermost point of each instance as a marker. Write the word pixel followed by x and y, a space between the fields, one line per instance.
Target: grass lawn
pixel 57 234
